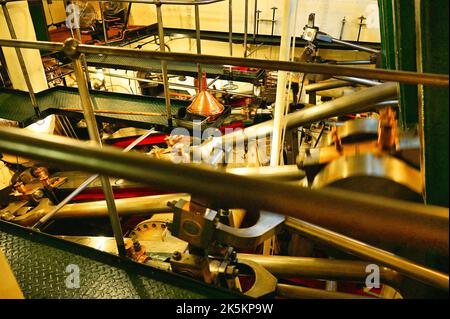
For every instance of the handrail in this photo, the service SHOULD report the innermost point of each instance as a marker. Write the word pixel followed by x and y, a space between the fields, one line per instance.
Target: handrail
pixel 311 68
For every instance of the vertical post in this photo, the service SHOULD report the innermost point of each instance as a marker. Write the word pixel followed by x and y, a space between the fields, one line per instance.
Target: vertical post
pixel 255 20
pixel 280 102
pixel 162 48
pixel 86 104
pixel 199 44
pixel 274 9
pixel 432 51
pixel 83 59
pixel 399 52
pixel 23 67
pixel 102 15
pixel 230 25
pixel 245 27
pixel 405 49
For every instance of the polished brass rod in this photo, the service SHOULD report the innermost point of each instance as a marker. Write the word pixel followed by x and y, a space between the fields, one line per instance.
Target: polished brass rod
pixel 426 275
pixel 125 206
pixel 322 268
pixel 297 292
pixel 94 135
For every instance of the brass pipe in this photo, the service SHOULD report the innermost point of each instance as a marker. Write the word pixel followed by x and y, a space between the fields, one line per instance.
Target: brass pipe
pixel 297 292
pixel 321 268
pixel 124 206
pixel 423 274
pixel 326 85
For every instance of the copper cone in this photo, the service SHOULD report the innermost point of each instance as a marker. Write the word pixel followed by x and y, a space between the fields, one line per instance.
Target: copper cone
pixel 204 103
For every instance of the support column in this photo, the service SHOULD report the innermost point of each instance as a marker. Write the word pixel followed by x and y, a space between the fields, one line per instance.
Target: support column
pixel 280 103
pixel 399 52
pixel 432 57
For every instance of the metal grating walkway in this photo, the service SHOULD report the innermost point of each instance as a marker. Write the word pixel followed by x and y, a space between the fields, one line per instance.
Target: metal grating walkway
pixel 39 263
pixel 16 106
pixel 179 68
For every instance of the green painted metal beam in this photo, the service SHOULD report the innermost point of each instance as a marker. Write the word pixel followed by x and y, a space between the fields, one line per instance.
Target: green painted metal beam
pixel 387 34
pixel 37 13
pixel 397 22
pixel 432 56
pixel 405 55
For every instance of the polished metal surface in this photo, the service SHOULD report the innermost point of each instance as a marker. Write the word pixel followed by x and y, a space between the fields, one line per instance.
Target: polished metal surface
pixel 125 206
pixel 373 174
pixel 365 217
pixel 325 85
pixel 359 81
pixel 204 103
pixel 267 226
pixel 358 129
pixel 355 46
pixel 264 282
pixel 363 250
pixel 321 268
pixel 278 173
pixel 298 292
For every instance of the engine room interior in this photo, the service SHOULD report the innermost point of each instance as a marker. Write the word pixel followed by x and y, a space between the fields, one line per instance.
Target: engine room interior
pixel 178 149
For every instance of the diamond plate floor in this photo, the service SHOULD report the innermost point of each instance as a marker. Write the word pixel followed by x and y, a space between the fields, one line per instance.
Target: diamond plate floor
pixel 39 263
pixel 16 106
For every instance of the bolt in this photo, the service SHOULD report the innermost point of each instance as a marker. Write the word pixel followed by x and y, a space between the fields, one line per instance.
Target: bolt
pixel 136 245
pixel 70 48
pixel 176 255
pixel 38 194
pixel 231 271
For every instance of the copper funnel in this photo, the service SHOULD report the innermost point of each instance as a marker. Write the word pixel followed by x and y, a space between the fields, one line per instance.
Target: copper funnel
pixel 204 103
